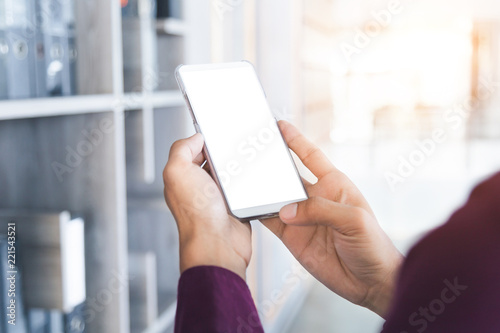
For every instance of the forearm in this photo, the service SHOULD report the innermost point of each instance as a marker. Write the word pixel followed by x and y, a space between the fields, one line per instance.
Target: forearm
pixel 213 299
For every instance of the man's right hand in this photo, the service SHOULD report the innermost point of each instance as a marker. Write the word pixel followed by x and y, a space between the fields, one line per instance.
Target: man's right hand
pixel 334 234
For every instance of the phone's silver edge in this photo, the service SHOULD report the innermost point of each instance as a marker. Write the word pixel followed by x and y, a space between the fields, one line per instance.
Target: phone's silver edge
pixel 214 66
pixel 205 149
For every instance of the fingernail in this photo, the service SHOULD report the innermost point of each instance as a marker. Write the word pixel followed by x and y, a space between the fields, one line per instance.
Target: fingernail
pixel 289 212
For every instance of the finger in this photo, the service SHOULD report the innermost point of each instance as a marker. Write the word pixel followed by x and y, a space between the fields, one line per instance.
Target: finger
pixel 275 225
pixel 318 210
pixel 199 160
pixel 312 157
pixel 187 150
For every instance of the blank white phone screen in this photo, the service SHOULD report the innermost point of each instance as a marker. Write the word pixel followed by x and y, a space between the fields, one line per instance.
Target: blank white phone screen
pixel 242 137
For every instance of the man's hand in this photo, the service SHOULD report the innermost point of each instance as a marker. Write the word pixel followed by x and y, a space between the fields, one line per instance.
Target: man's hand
pixel 207 234
pixel 334 234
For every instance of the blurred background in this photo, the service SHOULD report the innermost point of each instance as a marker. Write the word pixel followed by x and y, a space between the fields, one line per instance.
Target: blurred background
pixel 402 95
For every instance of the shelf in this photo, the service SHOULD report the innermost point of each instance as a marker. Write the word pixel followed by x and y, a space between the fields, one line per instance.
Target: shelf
pixel 160 99
pixel 171 26
pixel 61 106
pixel 56 106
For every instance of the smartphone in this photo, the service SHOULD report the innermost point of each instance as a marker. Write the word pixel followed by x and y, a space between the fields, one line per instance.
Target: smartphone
pixel 247 155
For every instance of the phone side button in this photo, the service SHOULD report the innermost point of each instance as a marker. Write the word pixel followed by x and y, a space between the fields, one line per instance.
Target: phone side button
pixel 197 128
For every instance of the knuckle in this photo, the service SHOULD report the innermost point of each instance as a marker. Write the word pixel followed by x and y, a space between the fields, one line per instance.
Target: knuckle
pixel 310 153
pixel 176 145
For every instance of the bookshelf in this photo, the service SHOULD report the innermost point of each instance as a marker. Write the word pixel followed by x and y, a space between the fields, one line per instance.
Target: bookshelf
pixel 117 188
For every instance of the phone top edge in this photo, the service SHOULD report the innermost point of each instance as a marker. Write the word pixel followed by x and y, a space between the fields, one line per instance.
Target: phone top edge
pixel 177 69
pixel 213 66
pixel 179 79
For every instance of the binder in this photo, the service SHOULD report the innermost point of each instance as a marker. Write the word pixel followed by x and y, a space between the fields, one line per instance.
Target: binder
pixel 4 50
pixel 56 53
pixel 17 50
pixel 69 55
pixel 72 60
pixel 40 65
pixel 18 65
pixel 56 65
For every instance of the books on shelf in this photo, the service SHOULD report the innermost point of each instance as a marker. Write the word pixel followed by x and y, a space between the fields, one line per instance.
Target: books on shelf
pixel 37 48
pixel 55 48
pixel 15 51
pixel 52 258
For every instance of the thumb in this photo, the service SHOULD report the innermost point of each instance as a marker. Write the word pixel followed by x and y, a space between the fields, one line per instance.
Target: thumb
pixel 318 210
pixel 187 150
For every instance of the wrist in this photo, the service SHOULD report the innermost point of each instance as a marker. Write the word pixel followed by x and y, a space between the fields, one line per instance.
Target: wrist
pixel 207 251
pixel 380 298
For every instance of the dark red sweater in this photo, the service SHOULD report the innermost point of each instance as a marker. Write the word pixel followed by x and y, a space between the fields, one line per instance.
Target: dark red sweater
pixel 450 281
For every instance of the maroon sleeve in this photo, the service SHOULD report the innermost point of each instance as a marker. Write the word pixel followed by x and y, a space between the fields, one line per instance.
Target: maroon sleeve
pixel 212 299
pixel 450 281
